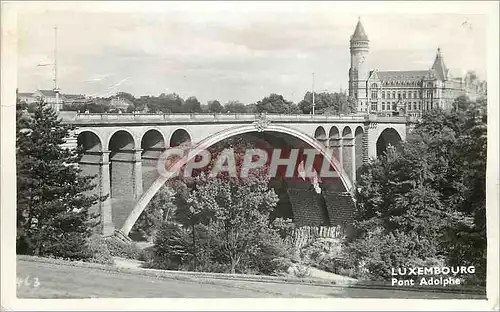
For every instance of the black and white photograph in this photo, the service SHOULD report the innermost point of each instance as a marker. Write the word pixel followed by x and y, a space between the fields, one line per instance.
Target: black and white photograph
pixel 170 151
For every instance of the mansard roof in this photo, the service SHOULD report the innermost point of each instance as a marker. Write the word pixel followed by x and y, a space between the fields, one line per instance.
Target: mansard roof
pixel 402 75
pixel 27 94
pixel 49 93
pixel 359 33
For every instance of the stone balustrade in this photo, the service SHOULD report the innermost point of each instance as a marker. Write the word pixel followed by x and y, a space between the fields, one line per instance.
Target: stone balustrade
pixel 85 118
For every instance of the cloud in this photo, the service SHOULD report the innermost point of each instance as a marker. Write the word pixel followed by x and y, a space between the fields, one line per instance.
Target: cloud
pixel 233 53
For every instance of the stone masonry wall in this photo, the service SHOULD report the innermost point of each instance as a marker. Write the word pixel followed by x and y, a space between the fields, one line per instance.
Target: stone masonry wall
pixel 340 206
pixel 90 166
pixel 122 187
pixel 92 170
pixel 149 173
pixel 306 205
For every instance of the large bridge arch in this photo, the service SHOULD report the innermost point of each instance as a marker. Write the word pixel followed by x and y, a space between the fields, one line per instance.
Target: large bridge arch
pixel 231 132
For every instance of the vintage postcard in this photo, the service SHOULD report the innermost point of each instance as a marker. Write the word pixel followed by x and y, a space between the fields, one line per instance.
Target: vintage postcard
pixel 298 155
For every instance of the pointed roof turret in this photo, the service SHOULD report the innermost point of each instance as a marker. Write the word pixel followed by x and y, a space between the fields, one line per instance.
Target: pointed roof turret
pixel 439 66
pixel 359 33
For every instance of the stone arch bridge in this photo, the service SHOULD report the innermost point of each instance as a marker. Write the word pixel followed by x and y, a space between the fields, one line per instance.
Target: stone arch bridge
pixel 122 150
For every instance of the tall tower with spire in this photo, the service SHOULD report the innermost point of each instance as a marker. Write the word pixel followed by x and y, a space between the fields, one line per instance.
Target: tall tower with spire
pixel 359 71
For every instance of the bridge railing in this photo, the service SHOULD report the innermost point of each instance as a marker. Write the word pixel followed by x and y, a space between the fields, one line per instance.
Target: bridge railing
pixel 134 117
pixel 199 116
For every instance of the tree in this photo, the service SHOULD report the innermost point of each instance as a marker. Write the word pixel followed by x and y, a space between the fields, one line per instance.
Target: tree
pixel 327 103
pixel 52 206
pixel 172 103
pixel 215 107
pixel 274 103
pixel 20 105
pixel 127 96
pixel 192 105
pixel 240 213
pixel 235 107
pixel 160 210
pixel 430 191
pixel 252 108
pixel 229 218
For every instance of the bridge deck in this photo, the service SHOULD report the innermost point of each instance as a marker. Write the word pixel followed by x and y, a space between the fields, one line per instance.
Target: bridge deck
pixel 131 118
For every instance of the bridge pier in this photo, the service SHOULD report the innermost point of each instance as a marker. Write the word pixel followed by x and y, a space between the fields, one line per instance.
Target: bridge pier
pixel 137 173
pixel 126 182
pixel 150 172
pixel 105 190
pixel 348 157
pixel 336 147
pixel 96 163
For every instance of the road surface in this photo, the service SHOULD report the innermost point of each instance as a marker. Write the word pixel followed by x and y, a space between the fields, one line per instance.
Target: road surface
pixel 63 281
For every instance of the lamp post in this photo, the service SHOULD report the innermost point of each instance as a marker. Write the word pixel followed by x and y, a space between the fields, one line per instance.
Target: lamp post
pixel 313 104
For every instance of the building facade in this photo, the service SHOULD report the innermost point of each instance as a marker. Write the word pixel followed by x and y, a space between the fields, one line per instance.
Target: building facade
pixel 404 92
pixel 52 97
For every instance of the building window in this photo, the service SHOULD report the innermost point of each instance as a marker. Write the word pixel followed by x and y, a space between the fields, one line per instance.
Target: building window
pixel 383 94
pixel 374 94
pixel 404 95
pixel 374 107
pixel 399 95
pixel 393 94
pixel 429 94
pixel 419 106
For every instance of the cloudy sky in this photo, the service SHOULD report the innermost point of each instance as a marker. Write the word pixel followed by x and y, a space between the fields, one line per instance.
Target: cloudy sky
pixel 233 51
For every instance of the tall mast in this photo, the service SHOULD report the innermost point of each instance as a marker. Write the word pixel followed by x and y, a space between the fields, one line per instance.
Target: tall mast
pixel 55 57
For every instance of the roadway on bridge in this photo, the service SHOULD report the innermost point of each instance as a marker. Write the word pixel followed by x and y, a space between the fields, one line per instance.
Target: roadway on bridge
pixel 65 281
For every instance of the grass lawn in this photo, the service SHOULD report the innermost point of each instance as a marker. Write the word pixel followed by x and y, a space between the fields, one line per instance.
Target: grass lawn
pixel 64 281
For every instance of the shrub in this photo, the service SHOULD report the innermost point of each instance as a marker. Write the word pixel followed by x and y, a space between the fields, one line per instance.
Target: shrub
pixel 272 256
pixel 330 255
pixel 280 265
pixel 146 254
pixel 123 250
pixel 374 255
pixel 99 251
pixel 320 251
pixel 301 271
pixel 70 246
pixel 172 247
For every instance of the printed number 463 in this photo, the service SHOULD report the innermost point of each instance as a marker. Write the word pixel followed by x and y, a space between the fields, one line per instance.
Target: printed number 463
pixel 27 281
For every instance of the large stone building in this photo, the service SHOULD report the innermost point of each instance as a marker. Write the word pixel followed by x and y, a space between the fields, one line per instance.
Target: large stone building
pixel 52 97
pixel 404 92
